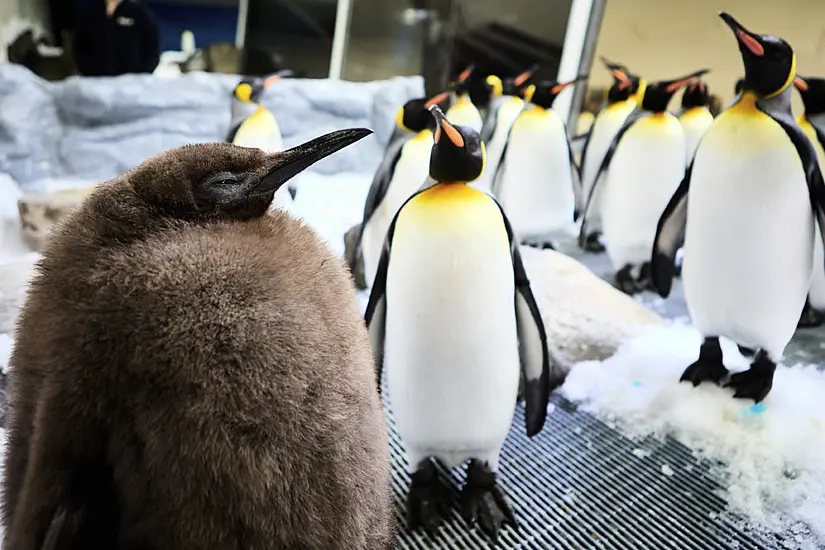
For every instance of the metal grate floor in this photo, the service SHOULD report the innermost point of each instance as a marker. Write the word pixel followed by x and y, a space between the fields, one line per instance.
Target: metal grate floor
pixel 581 485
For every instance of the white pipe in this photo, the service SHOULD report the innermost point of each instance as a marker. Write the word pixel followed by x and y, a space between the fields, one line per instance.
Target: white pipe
pixel 240 30
pixel 571 53
pixel 339 38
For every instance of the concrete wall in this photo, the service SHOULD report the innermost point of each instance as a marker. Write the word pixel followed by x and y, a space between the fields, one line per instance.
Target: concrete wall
pixel 663 39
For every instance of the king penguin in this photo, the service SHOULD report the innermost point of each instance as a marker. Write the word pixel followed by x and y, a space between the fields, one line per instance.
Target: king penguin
pixel 206 380
pixel 812 122
pixel 695 117
pixel 537 180
pixel 505 106
pixel 253 125
pixel 643 166
pixel 454 323
pixel 623 98
pixel 746 210
pixel 462 112
pixel 402 173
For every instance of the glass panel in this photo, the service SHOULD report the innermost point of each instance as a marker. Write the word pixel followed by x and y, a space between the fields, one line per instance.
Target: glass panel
pixel 439 38
pixel 290 34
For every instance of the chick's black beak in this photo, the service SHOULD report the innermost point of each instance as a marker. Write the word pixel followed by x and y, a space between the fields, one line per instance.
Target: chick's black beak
pixel 293 161
pixel 746 38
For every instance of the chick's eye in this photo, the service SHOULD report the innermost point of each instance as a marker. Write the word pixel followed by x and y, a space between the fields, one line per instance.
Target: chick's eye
pixel 221 178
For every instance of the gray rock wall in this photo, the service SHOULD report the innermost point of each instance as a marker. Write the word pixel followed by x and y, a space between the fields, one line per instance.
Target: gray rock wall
pixel 95 128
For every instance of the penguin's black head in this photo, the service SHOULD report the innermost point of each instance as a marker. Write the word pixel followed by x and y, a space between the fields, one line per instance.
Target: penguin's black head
pixel 624 84
pixel 659 94
pixel 770 63
pixel 812 91
pixel 740 84
pixel 250 90
pixel 458 153
pixel 545 92
pixel 696 94
pixel 415 114
pixel 223 181
pixel 511 86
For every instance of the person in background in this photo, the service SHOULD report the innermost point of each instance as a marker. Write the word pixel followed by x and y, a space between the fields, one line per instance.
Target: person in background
pixel 114 37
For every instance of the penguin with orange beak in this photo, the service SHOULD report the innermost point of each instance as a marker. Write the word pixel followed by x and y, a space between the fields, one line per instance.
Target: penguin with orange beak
pixel 454 324
pixel 644 165
pixel 745 212
pixel 253 125
pixel 537 180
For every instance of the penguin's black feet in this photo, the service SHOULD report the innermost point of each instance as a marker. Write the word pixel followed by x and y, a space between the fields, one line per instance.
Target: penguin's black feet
pixel 645 282
pixel 708 367
pixel 429 500
pixel 542 245
pixel 483 502
pixel 624 281
pixel 746 351
pixel 756 382
pixel 592 243
pixel 810 317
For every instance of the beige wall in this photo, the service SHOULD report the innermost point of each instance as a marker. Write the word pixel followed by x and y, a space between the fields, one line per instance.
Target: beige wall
pixel 663 39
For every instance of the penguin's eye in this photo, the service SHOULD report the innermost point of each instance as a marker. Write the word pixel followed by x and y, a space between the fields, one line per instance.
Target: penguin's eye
pixel 222 178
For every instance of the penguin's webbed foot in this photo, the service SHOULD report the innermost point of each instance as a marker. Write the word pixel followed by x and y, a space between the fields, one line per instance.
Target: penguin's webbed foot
pixel 645 282
pixel 810 317
pixel 429 500
pixel 624 281
pixel 709 367
pixel 756 382
pixel 483 502
pixel 593 244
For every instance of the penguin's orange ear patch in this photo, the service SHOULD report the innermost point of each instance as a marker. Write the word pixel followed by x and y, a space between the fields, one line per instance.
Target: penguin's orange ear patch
pixel 800 84
pixel 453 134
pixel 750 43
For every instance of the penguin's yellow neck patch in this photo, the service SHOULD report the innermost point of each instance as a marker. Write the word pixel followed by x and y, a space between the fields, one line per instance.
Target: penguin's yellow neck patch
pixel 746 106
pixel 423 135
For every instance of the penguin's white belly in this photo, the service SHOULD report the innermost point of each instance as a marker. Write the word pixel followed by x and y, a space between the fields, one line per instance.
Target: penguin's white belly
pixel 605 127
pixel 451 347
pixel 646 169
pixel 409 175
pixel 505 117
pixel 748 244
pixel 536 187
pixel 695 123
pixel 464 113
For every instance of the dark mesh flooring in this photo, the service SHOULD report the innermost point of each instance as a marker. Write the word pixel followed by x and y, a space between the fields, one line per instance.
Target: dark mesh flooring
pixel 580 485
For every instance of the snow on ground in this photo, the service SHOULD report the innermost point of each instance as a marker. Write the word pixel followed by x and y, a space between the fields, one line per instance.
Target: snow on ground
pixel 775 451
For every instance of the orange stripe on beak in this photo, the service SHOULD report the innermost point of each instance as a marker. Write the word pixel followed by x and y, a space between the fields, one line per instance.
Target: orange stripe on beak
pixel 465 74
pixel 678 84
pixel 271 80
pixel 453 134
pixel 750 43
pixel 435 100
pixel 800 84
pixel 559 87
pixel 522 78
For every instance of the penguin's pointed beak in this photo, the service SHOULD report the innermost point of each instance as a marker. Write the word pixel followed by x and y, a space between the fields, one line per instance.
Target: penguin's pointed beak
pixel 437 99
pixel 445 128
pixel 287 164
pixel 559 87
pixel 800 83
pixel 746 38
pixel 522 79
pixel 674 85
pixel 465 74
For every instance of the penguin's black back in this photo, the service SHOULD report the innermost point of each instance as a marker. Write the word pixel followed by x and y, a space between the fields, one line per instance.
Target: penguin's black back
pixel 214 379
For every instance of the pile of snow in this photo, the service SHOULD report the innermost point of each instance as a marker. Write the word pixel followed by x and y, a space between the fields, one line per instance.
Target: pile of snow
pixel 774 451
pixel 5 353
pixel 11 236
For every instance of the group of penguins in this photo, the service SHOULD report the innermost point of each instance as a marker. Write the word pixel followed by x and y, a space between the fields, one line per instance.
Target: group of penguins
pixel 190 369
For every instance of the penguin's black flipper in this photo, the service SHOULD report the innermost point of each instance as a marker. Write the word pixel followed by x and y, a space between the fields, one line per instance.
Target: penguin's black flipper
pixel 586 145
pixel 496 181
pixel 488 129
pixel 577 179
pixel 539 378
pixel 64 532
pixel 670 232
pixel 631 119
pixel 807 154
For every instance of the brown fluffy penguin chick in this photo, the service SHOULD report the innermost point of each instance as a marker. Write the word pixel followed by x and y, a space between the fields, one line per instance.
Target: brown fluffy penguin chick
pixel 192 373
